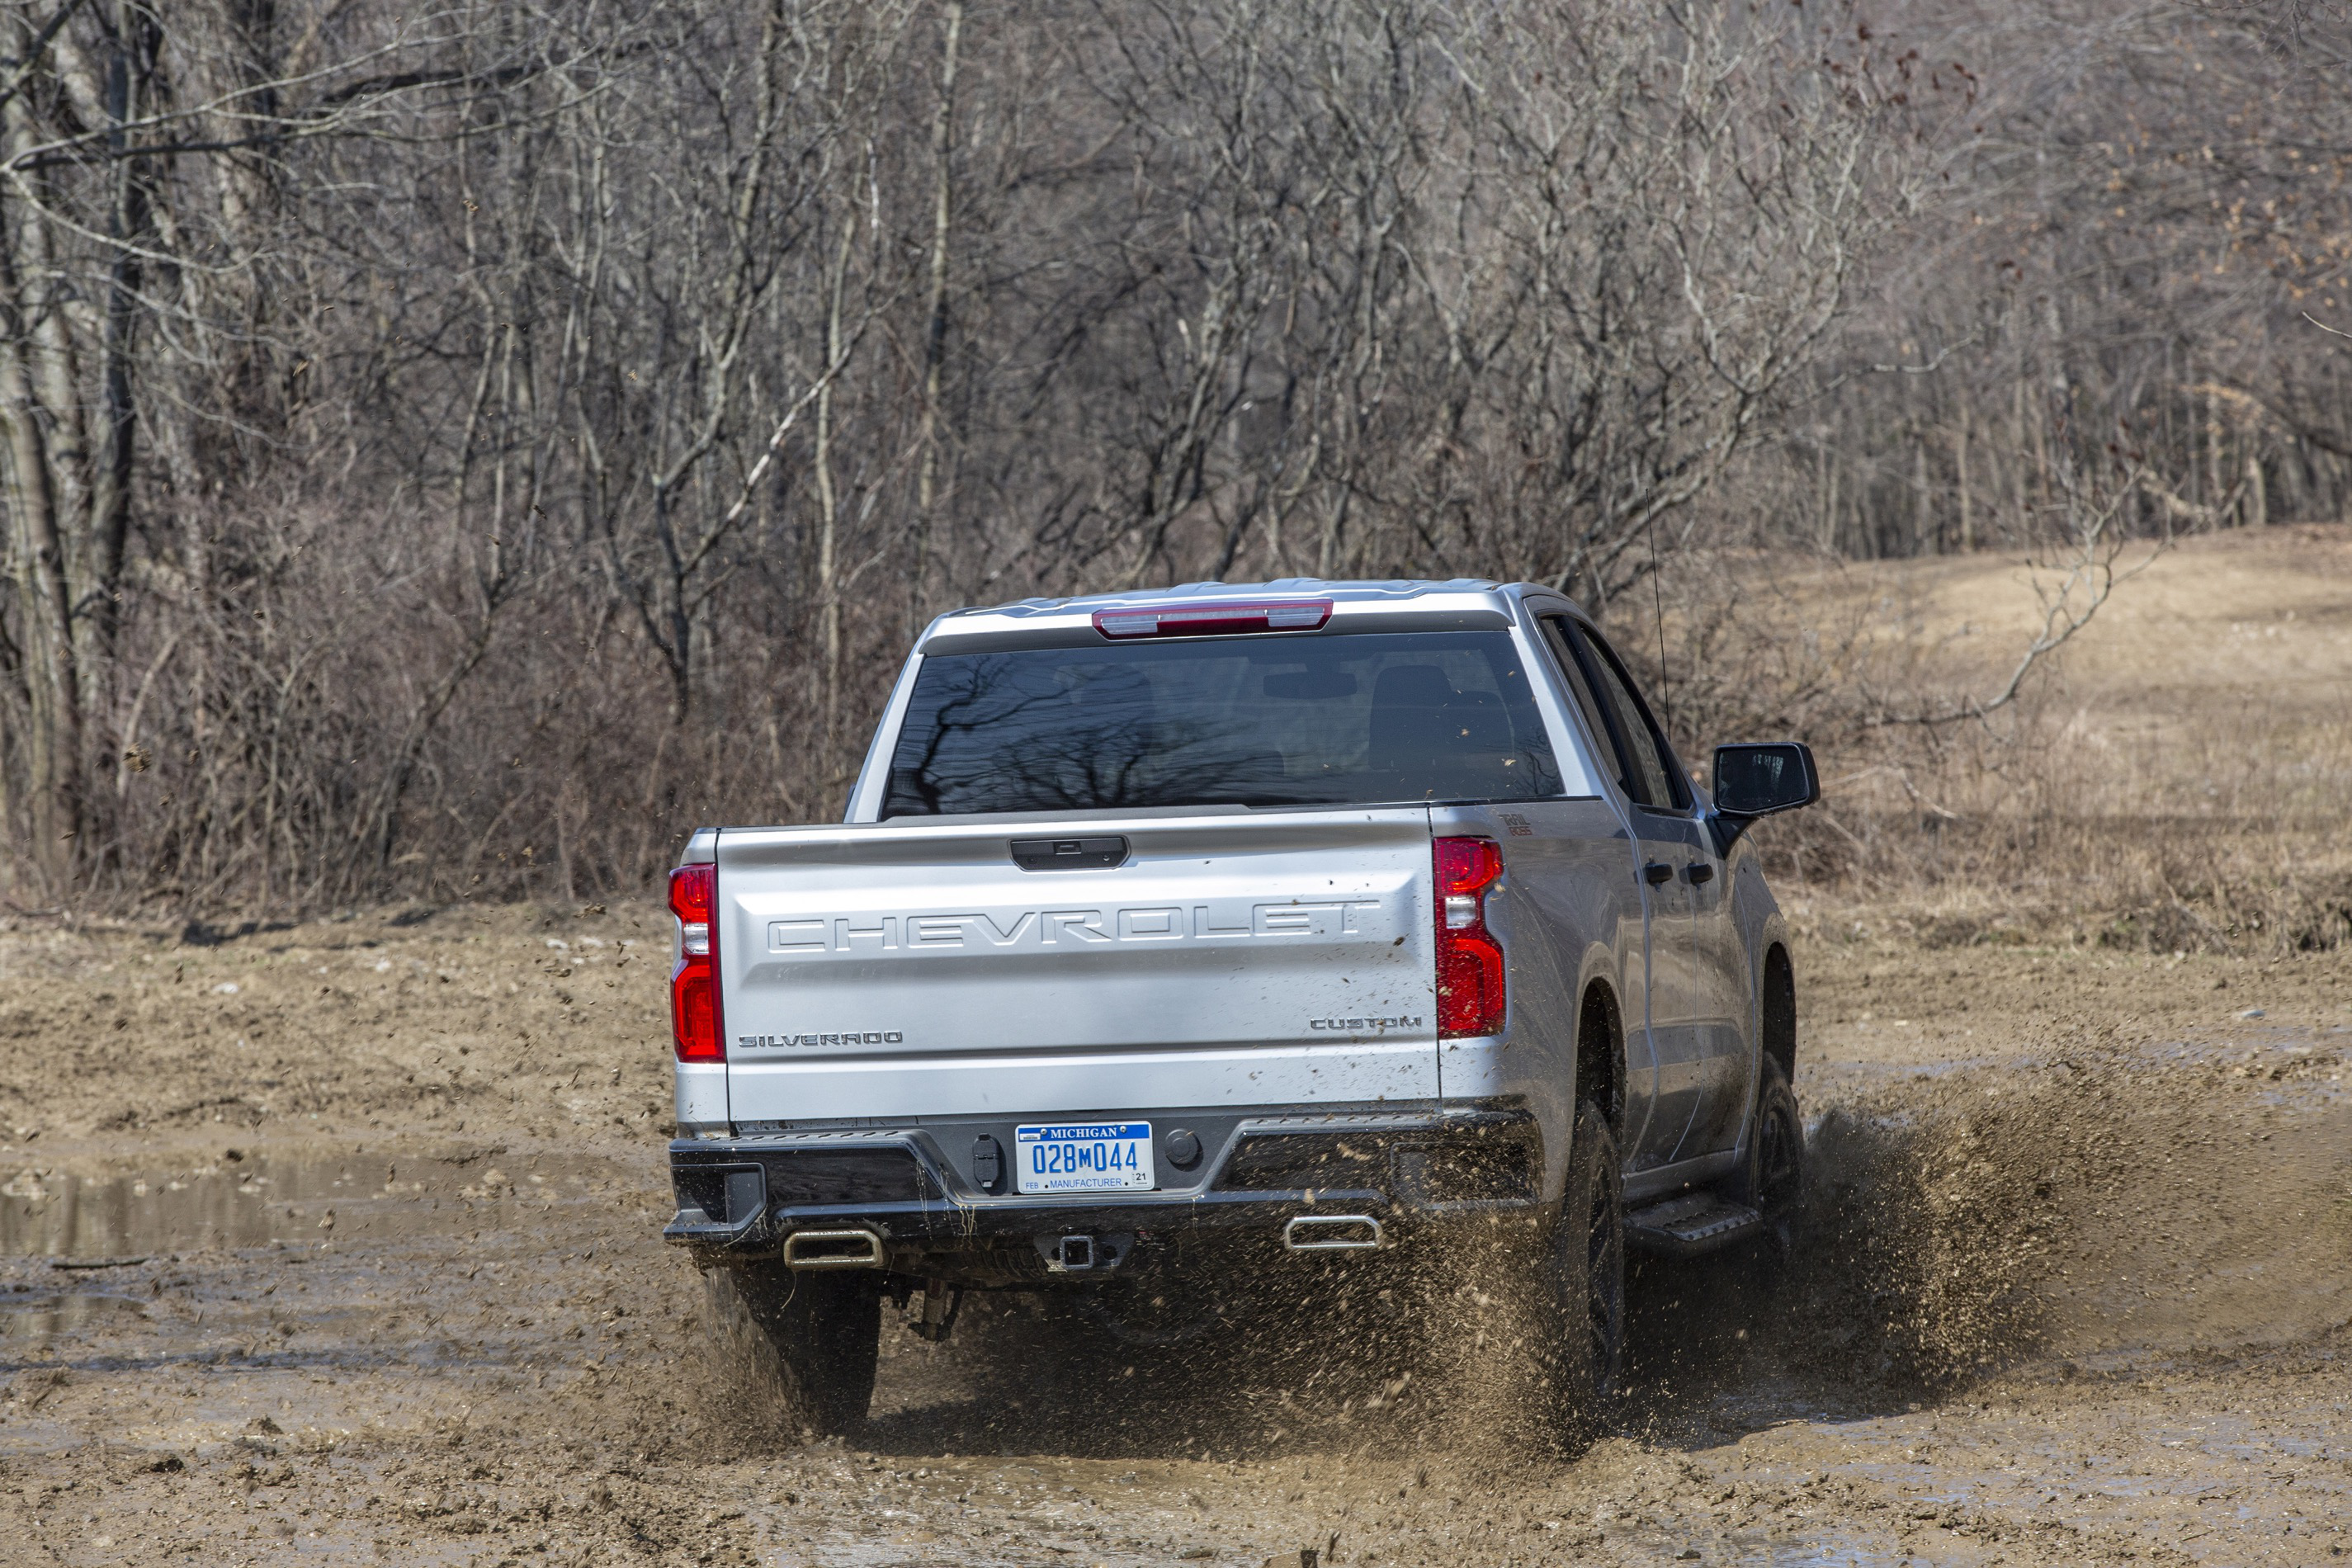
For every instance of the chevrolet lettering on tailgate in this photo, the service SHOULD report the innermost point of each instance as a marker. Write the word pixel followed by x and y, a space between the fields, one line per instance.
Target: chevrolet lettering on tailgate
pixel 1072 928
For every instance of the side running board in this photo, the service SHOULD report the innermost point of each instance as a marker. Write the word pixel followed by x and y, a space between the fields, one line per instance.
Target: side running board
pixel 1690 1224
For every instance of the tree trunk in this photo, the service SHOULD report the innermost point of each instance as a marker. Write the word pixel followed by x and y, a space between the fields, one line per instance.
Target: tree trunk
pixel 1960 474
pixel 2039 425
pixel 2212 423
pixel 828 545
pixel 109 510
pixel 53 742
pixel 1925 537
pixel 1828 484
pixel 935 335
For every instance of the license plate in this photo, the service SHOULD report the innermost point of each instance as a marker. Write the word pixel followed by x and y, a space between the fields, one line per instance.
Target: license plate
pixel 1083 1157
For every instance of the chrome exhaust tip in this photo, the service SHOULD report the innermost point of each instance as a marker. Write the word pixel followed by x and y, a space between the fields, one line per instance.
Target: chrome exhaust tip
pixel 1331 1233
pixel 833 1249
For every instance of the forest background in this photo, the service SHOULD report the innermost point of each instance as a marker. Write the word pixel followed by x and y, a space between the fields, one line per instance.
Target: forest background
pixel 450 450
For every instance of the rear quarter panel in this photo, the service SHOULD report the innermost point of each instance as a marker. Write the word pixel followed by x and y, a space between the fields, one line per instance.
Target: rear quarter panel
pixel 1756 913
pixel 1568 912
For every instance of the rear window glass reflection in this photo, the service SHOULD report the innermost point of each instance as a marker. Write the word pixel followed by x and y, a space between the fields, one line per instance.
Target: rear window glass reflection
pixel 1364 719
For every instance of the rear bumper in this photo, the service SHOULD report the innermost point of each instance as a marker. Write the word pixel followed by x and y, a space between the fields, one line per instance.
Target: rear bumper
pixel 1412 1172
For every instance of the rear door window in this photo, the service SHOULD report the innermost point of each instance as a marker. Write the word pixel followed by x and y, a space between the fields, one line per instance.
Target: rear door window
pixel 1651 777
pixel 1350 719
pixel 1611 754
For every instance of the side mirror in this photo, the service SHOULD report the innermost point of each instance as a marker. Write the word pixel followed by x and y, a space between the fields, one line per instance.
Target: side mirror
pixel 1757 780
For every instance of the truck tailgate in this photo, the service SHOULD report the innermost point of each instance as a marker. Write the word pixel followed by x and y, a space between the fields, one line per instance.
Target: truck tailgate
pixel 913 968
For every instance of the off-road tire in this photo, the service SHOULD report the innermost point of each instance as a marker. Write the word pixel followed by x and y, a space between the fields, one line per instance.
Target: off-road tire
pixel 1773 1178
pixel 813 1335
pixel 1579 1342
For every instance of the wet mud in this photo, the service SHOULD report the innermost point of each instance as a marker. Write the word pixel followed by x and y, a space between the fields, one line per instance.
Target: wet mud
pixel 2073 1287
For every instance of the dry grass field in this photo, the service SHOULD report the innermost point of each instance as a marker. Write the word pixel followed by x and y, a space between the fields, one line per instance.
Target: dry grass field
pixel 336 1241
pixel 2172 781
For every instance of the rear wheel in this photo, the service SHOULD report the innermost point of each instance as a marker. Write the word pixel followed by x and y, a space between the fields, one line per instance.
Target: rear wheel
pixel 1772 1183
pixel 1580 1342
pixel 822 1329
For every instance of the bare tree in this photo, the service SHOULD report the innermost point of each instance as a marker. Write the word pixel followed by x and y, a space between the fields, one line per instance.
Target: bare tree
pixel 453 449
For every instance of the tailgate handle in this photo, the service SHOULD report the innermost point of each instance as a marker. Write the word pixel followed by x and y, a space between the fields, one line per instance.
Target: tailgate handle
pixel 1069 854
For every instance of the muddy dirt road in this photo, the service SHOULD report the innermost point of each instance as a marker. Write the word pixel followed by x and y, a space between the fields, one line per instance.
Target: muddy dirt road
pixel 339 1243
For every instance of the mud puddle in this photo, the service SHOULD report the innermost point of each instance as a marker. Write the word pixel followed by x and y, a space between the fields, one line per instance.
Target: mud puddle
pixel 331 1291
pixel 82 1219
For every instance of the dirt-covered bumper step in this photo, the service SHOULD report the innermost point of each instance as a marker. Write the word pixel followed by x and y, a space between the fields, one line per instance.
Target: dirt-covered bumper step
pixel 949 1185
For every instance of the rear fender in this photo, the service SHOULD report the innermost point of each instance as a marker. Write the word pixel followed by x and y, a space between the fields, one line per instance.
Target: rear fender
pixel 1564 893
pixel 1771 930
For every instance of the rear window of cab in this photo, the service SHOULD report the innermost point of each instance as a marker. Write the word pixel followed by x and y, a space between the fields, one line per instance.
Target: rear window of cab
pixel 1373 718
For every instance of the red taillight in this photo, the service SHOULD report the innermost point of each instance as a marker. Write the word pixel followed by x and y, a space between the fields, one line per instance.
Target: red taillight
pixel 1214 620
pixel 691 892
pixel 694 1013
pixel 694 985
pixel 1469 959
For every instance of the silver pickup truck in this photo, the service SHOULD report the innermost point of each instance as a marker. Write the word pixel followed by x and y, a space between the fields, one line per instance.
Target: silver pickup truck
pixel 1220 931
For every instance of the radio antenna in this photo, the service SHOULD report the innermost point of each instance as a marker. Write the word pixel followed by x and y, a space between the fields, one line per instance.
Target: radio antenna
pixel 1658 604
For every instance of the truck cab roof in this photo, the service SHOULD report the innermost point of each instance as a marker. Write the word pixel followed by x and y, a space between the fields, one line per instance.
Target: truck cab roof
pixel 1461 603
